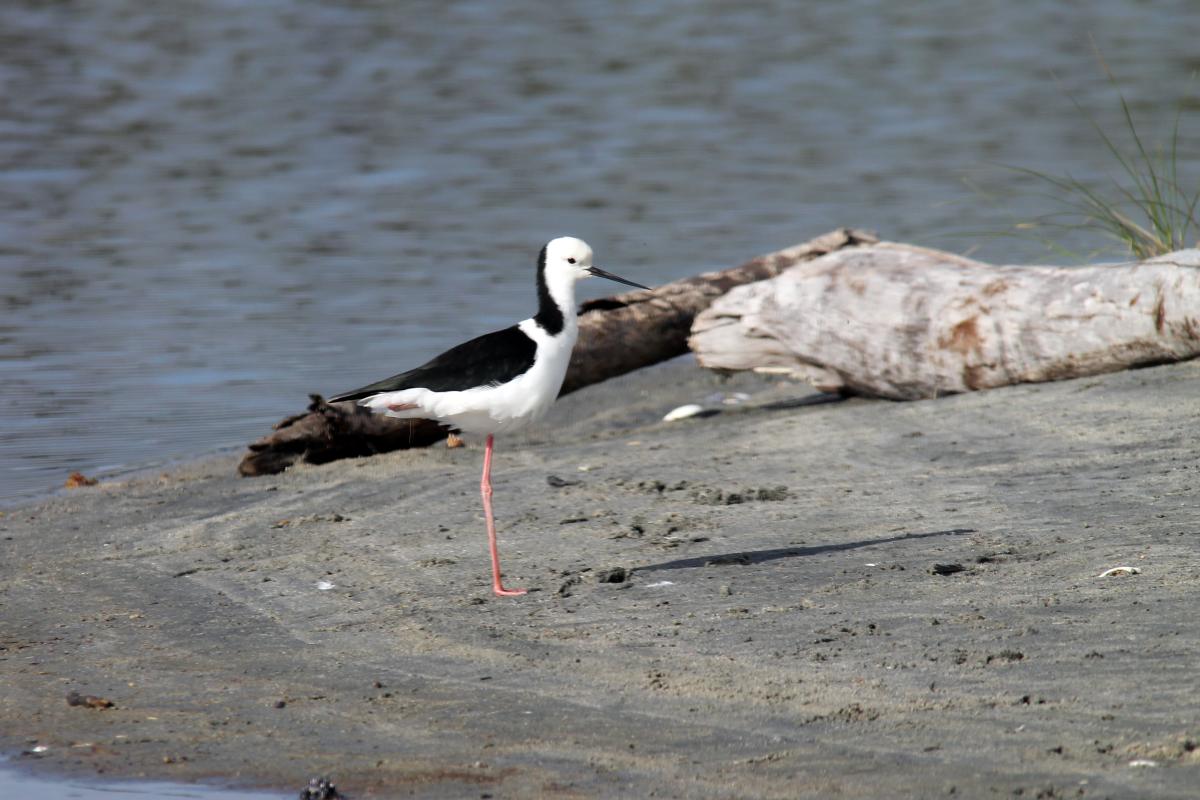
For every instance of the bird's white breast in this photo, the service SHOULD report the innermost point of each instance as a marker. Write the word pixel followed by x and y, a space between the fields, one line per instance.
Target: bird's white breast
pixel 528 396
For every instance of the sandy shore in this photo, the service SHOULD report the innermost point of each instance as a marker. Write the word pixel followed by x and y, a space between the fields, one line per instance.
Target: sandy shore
pixel 783 632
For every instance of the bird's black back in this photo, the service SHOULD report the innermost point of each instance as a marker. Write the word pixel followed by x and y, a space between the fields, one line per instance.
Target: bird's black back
pixel 493 358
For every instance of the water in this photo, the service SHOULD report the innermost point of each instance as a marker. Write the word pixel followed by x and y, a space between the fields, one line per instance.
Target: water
pixel 210 209
pixel 19 785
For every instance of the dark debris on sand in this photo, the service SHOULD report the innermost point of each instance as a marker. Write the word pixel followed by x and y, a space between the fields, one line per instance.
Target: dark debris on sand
pixel 321 789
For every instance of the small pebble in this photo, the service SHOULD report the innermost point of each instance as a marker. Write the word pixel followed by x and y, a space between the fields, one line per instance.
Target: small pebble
pixel 88 700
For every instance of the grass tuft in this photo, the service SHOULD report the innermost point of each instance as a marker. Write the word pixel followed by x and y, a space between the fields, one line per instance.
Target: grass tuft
pixel 1150 213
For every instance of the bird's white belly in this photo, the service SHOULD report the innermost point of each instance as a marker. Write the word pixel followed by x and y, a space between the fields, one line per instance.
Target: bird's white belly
pixel 496 409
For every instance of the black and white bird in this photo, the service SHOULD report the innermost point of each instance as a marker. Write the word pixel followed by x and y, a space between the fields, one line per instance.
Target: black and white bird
pixel 502 380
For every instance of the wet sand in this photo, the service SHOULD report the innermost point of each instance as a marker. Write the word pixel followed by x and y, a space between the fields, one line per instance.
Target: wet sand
pixel 784 630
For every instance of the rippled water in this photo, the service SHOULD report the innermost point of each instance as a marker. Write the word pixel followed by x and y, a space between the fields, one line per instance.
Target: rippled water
pixel 210 209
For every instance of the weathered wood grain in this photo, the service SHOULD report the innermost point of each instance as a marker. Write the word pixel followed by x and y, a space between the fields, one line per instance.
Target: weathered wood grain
pixel 902 322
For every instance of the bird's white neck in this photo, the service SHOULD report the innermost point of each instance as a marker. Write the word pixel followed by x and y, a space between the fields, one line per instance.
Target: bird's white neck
pixel 556 302
pixel 562 290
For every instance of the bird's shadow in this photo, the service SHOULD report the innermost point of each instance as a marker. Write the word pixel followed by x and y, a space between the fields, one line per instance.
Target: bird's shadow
pixel 745 557
pixel 817 399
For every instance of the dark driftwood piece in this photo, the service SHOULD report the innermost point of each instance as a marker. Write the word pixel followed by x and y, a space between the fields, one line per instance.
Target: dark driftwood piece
pixel 329 431
pixel 616 335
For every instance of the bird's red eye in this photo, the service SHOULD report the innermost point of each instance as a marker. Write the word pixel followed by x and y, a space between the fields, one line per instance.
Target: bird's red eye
pixel 570 261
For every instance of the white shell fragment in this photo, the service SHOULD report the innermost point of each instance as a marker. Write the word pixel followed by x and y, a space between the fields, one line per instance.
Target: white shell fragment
pixel 1143 762
pixel 1108 573
pixel 660 583
pixel 683 412
pixel 324 586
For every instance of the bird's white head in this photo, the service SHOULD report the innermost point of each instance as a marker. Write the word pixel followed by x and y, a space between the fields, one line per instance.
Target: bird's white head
pixel 570 259
pixel 568 256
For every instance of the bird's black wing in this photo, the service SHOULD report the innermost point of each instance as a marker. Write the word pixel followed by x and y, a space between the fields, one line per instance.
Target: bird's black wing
pixel 493 358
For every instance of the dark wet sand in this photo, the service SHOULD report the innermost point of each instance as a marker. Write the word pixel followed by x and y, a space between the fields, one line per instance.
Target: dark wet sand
pixel 794 644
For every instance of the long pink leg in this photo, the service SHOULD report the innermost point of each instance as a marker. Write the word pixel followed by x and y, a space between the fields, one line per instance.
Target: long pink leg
pixel 485 489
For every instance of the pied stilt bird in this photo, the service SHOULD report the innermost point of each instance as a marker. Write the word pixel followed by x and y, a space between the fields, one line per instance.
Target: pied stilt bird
pixel 502 380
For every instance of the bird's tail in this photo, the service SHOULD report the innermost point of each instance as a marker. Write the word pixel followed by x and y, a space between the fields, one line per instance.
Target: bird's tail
pixel 406 404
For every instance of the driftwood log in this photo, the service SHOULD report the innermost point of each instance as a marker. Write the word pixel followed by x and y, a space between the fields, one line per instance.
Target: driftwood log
pixel 616 335
pixel 902 322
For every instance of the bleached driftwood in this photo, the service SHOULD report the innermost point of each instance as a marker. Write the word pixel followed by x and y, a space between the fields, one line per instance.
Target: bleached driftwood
pixel 616 335
pixel 902 322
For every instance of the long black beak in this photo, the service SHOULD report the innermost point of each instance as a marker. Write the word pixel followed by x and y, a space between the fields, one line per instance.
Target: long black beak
pixel 599 273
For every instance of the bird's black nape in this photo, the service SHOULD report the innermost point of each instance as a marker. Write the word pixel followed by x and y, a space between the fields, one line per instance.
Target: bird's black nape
pixel 549 316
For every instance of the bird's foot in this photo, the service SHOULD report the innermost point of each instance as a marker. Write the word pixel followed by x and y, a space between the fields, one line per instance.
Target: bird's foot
pixel 500 591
